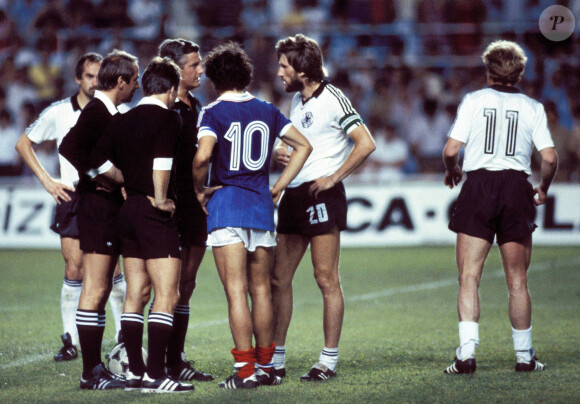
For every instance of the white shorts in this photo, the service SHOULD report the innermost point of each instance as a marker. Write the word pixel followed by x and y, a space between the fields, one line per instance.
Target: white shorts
pixel 251 238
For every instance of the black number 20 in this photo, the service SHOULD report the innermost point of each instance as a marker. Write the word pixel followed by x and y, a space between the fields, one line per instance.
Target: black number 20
pixel 512 131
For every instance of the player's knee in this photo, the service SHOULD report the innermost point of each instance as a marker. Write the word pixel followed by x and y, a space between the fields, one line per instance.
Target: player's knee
pixel 73 270
pixel 327 281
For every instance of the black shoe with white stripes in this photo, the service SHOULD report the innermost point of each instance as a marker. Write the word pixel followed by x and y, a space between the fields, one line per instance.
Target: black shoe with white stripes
pixel 467 366
pixel 236 382
pixel 185 371
pixel 319 372
pixel 102 380
pixel 267 379
pixel 68 352
pixel 164 384
pixel 133 382
pixel 533 366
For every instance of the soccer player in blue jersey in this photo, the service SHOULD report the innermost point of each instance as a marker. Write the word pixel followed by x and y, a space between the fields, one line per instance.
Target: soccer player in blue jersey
pixel 237 133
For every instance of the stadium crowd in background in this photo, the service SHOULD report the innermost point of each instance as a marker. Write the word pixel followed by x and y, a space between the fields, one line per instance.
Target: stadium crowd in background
pixel 393 58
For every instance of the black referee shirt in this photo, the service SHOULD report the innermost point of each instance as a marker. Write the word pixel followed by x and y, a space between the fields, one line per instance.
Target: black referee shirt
pixel 134 140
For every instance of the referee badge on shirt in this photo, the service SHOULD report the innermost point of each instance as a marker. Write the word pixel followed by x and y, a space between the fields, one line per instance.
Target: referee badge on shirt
pixel 307 120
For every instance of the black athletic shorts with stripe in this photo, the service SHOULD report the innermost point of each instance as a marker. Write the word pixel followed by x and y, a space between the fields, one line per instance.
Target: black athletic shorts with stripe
pixel 301 213
pixel 65 218
pixel 191 221
pixel 97 220
pixel 146 232
pixel 495 203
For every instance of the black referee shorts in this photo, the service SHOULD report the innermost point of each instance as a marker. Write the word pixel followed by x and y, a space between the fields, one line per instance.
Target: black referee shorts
pixel 301 213
pixel 97 221
pixel 191 222
pixel 146 232
pixel 495 203
pixel 65 218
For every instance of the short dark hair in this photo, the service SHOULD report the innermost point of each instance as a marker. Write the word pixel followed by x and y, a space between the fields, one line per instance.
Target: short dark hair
pixel 304 55
pixel 116 64
pixel 228 67
pixel 90 57
pixel 160 76
pixel 176 49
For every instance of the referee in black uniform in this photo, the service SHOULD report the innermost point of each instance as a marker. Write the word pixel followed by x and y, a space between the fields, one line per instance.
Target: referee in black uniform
pixel 191 219
pixel 141 144
pixel 98 209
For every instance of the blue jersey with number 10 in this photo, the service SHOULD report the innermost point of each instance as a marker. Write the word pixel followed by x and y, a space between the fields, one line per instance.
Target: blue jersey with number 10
pixel 245 129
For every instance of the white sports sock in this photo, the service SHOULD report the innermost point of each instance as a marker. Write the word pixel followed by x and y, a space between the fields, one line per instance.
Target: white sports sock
pixel 468 340
pixel 279 357
pixel 117 301
pixel 523 344
pixel 69 302
pixel 329 357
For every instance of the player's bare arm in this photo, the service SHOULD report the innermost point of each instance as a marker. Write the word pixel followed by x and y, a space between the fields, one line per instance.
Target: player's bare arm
pixel 302 149
pixel 364 145
pixel 547 173
pixel 160 184
pixel 52 186
pixel 282 154
pixel 453 173
pixel 201 169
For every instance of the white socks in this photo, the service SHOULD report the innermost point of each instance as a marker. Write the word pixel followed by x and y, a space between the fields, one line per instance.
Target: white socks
pixel 117 301
pixel 468 340
pixel 523 344
pixel 329 358
pixel 69 302
pixel 279 357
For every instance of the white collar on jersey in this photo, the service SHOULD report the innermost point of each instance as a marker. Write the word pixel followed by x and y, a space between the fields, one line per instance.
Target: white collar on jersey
pixel 107 101
pixel 151 101
pixel 235 97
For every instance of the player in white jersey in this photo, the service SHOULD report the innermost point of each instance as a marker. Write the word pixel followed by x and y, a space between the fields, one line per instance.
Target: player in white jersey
pixel 313 208
pixel 498 126
pixel 53 124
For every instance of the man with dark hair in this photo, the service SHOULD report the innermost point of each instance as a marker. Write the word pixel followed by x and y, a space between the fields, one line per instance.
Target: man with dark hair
pixel 190 217
pixel 141 144
pixel 313 209
pixel 499 127
pixel 53 124
pixel 237 132
pixel 98 210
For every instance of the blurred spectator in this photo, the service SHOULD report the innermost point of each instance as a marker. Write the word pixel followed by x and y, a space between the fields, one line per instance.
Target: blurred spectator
pixel 147 16
pixel 10 163
pixel 45 75
pixel 387 163
pixel 465 12
pixel 27 115
pixel 563 142
pixel 23 13
pixel 19 90
pixel 427 135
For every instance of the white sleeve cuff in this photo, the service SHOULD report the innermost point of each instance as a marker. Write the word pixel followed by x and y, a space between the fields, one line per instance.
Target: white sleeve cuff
pixel 162 163
pixel 284 130
pixel 105 167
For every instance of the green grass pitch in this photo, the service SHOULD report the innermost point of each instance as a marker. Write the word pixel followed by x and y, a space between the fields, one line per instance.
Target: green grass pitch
pixel 399 333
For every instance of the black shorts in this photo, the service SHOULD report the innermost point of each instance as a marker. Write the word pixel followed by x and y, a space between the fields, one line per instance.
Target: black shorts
pixel 300 213
pixel 65 218
pixel 146 232
pixel 192 223
pixel 495 203
pixel 97 221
